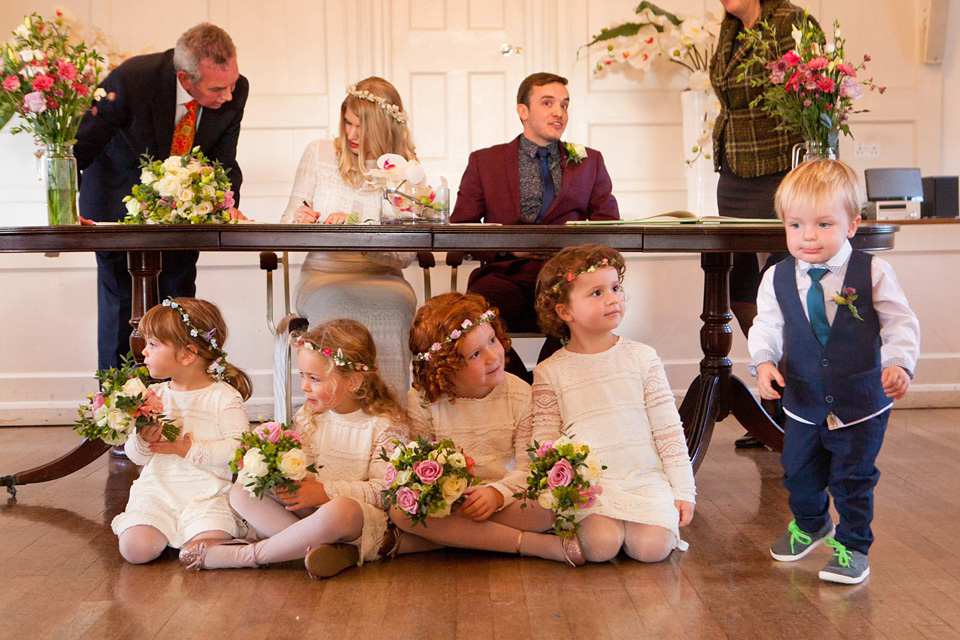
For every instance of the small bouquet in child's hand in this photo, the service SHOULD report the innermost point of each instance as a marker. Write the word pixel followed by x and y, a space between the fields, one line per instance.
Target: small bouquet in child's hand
pixel 269 458
pixel 123 406
pixel 187 189
pixel 426 478
pixel 562 478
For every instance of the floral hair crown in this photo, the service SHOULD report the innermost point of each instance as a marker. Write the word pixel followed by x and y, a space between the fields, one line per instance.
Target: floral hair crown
pixel 466 325
pixel 218 367
pixel 297 340
pixel 569 276
pixel 392 110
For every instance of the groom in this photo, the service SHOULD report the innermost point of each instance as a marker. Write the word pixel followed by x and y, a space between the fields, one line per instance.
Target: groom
pixel 533 179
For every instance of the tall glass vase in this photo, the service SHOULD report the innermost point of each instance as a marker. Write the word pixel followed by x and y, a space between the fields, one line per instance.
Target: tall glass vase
pixel 701 178
pixel 812 150
pixel 60 170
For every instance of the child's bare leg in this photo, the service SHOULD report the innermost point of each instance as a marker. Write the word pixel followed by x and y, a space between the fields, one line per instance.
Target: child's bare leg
pixel 142 543
pixel 267 516
pixel 647 542
pixel 601 537
pixel 213 534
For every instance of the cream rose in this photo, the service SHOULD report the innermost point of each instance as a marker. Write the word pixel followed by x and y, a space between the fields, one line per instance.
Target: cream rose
pixel 181 172
pixel 168 185
pixel 453 488
pixel 186 194
pixel 253 463
pixel 133 206
pixel 134 386
pixel 193 166
pixel 172 163
pixel 204 208
pixel 293 464
pixel 117 420
pixel 147 177
pixel 546 500
pixel 591 469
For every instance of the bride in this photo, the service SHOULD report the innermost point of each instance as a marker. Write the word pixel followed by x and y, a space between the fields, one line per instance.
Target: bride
pixel 328 188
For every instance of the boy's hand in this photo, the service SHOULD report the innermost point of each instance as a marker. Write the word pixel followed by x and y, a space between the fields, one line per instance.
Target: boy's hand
pixel 767 374
pixel 895 381
pixel 686 511
pixel 481 502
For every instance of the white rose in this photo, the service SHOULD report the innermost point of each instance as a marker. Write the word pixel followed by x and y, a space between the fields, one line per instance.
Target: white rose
pixel 133 386
pixel 592 469
pixel 253 463
pixel 203 209
pixel 193 166
pixel 186 194
pixel 117 420
pixel 293 464
pixel 457 460
pixel 173 162
pixel 546 500
pixel 133 206
pixel 147 177
pixel 208 191
pixel 562 440
pixel 168 185
pixel 453 488
pixel 403 477
pixel 183 173
pixel 100 415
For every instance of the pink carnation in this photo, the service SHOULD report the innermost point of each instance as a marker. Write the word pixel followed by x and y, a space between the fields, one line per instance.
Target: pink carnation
pixel 42 82
pixel 11 83
pixel 560 475
pixel 228 200
pixel 428 470
pixel 407 499
pixel 818 64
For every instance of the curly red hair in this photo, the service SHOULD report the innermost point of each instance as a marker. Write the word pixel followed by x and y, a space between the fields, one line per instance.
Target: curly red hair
pixel 434 321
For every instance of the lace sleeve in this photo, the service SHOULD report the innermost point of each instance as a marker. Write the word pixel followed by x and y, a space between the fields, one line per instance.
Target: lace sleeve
pixel 217 454
pixel 369 490
pixel 304 182
pixel 137 450
pixel 418 410
pixel 668 432
pixel 547 421
pixel 516 480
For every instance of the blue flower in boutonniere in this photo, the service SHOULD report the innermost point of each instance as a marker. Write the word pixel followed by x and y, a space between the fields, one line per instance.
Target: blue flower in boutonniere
pixel 576 152
pixel 846 299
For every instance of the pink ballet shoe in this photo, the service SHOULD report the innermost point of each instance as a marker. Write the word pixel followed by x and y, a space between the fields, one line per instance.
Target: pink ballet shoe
pixel 330 559
pixel 193 554
pixel 572 551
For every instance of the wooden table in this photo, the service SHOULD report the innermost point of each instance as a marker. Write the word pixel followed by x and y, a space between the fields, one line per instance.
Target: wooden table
pixel 712 396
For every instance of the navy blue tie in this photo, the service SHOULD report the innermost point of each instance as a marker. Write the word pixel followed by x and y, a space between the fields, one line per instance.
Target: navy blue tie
pixel 815 308
pixel 549 192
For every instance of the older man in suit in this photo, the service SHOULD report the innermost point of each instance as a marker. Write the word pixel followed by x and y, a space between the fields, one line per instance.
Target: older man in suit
pixel 533 179
pixel 194 91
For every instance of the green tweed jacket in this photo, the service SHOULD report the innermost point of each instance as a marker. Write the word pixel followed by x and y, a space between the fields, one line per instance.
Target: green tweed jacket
pixel 752 145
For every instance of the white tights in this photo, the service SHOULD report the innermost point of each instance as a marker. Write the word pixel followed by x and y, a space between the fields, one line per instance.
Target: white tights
pixel 602 537
pixel 142 543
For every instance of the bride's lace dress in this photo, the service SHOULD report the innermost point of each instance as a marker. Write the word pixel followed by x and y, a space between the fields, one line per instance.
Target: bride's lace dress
pixel 365 286
pixel 619 403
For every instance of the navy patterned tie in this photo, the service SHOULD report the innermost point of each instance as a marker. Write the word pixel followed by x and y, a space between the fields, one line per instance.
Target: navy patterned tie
pixel 549 192
pixel 815 308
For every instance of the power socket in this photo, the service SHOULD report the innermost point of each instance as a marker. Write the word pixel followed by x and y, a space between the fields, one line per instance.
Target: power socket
pixel 866 149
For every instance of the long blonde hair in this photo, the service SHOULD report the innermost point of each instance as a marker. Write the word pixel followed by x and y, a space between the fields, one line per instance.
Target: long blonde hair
pixel 380 132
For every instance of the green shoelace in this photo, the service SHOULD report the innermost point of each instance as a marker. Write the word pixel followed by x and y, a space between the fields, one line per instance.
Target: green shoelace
pixel 843 556
pixel 797 536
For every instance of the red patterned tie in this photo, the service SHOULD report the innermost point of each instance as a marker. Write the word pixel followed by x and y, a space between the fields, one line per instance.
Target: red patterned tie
pixel 183 132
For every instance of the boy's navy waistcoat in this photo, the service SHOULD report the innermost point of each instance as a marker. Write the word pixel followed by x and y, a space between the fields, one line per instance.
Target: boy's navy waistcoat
pixel 844 375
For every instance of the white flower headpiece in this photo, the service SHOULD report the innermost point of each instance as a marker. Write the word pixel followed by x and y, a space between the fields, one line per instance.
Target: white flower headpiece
pixel 392 110
pixel 466 325
pixel 219 366
pixel 297 340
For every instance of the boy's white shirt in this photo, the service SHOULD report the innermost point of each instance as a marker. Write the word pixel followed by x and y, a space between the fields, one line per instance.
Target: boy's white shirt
pixel 899 327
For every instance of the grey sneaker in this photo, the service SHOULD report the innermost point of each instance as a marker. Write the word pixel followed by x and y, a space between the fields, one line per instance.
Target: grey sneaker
pixel 794 544
pixel 846 566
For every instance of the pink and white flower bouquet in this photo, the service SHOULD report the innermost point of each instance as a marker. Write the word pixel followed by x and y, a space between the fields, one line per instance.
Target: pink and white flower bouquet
pixel 270 457
pixel 123 406
pixel 563 479
pixel 426 478
pixel 811 88
pixel 187 189
pixel 47 81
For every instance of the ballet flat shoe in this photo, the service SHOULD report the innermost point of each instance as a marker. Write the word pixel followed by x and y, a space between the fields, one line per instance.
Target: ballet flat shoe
pixel 573 551
pixel 193 554
pixel 330 559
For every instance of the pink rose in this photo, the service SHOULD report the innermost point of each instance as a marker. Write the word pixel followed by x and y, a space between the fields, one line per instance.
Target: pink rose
pixel 228 200
pixel 272 431
pixel 428 470
pixel 35 102
pixel 560 475
pixel 407 499
pixel 293 435
pixel 545 448
pixel 589 495
pixel 96 402
pixel 11 83
pixel 389 475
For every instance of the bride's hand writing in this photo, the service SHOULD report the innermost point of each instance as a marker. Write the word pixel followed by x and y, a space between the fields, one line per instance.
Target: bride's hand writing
pixel 336 218
pixel 305 215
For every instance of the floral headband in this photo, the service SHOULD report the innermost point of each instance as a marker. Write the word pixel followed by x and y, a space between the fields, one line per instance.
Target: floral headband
pixel 218 367
pixel 297 340
pixel 392 110
pixel 569 276
pixel 466 325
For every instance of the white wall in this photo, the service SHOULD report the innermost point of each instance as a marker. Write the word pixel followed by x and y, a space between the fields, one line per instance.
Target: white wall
pixel 300 54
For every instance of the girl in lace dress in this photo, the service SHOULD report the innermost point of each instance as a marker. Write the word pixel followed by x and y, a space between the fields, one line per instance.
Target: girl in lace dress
pixel 462 392
pixel 612 393
pixel 329 186
pixel 334 520
pixel 182 492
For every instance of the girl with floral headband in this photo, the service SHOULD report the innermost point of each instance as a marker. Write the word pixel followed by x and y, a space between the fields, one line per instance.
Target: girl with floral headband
pixel 330 187
pixel 462 392
pixel 182 492
pixel 612 394
pixel 335 518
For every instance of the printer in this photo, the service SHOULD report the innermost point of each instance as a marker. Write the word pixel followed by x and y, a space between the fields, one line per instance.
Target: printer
pixel 893 194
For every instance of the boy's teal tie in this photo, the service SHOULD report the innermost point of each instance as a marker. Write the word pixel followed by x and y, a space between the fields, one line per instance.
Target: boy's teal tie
pixel 815 308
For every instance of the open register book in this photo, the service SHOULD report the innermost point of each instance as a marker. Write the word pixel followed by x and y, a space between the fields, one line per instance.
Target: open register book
pixel 678 218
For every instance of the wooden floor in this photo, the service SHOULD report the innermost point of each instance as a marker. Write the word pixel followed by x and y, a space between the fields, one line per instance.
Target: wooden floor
pixel 62 577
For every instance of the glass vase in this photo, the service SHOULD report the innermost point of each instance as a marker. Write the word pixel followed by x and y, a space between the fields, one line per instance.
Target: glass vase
pixel 812 150
pixel 60 170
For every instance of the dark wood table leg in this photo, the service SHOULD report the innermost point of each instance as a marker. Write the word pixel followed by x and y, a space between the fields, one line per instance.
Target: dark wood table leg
pixel 715 393
pixel 144 269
